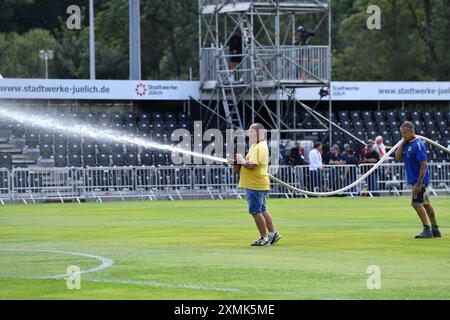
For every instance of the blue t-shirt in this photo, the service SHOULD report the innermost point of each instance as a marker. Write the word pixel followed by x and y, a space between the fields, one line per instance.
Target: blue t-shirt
pixel 413 154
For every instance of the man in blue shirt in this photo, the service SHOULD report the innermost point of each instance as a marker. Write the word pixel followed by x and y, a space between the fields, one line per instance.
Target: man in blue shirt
pixel 414 156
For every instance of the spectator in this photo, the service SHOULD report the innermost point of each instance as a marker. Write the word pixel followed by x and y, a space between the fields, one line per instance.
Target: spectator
pixel 282 154
pixel 379 146
pixel 351 158
pixel 315 166
pixel 305 35
pixel 326 155
pixel 335 172
pixel 350 174
pixel 372 157
pixel 363 150
pixel 335 155
pixel 297 155
pixel 235 45
pixel 344 154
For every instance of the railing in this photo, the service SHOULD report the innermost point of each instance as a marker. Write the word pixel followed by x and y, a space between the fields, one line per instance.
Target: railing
pixel 291 64
pixel 215 182
pixel 302 64
pixel 304 2
pixel 5 185
pixel 43 184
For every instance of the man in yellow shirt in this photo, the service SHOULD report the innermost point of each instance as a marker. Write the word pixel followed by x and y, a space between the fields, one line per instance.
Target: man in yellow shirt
pixel 255 180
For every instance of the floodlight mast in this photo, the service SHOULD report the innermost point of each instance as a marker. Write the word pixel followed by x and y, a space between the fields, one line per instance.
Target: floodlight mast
pixel 269 64
pixel 46 55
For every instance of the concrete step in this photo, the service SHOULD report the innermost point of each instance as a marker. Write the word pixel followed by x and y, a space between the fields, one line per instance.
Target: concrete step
pixel 20 156
pixel 45 163
pixel 23 162
pixel 12 151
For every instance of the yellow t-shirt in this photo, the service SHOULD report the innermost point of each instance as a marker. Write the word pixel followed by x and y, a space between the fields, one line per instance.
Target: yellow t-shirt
pixel 256 179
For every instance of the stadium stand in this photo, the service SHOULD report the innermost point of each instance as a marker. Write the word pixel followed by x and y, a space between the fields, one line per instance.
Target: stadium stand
pixel 74 151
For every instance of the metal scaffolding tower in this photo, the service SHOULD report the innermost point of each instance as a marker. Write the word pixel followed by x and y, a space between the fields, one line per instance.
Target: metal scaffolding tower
pixel 250 55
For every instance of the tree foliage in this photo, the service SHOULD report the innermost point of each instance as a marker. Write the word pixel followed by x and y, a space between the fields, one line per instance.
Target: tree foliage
pixel 413 44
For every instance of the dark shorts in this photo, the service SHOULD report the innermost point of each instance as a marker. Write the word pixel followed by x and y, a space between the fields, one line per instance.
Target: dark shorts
pixel 420 199
pixel 256 201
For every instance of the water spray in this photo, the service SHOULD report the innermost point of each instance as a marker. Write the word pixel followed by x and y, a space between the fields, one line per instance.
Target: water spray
pixel 89 131
pixel 117 136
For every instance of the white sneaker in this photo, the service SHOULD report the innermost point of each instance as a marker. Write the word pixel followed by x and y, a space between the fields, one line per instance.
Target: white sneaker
pixel 275 238
pixel 261 242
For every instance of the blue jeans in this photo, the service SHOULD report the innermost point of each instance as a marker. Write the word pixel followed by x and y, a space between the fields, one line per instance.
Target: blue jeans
pixel 256 201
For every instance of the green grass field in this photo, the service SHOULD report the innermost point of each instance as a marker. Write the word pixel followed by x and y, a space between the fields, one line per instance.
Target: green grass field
pixel 200 250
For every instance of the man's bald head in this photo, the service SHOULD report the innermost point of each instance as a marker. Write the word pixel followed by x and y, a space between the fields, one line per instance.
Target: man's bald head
pixel 259 132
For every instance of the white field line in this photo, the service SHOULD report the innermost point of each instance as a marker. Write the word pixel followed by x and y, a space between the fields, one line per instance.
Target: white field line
pixel 107 263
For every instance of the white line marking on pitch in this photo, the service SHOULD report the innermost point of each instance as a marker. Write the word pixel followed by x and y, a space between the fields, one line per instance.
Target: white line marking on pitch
pixel 107 263
pixel 199 287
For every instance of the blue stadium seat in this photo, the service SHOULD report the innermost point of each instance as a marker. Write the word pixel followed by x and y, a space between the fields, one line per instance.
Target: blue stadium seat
pixel 169 117
pixel 392 116
pixel 117 117
pixel 75 160
pixel 32 140
pixel 355 116
pixel 183 116
pixel 117 126
pixel 104 117
pixel 132 148
pixel 18 130
pixel 116 147
pixel 131 159
pixel 88 147
pixel 144 127
pixel 404 116
pixel 427 116
pixel 5 161
pixel 130 117
pixel 160 158
pixel 157 117
pixel 61 149
pixel 415 116
pixel 90 118
pixel 367 116
pixel 104 148
pixel 61 160
pixel 145 117
pixel 60 138
pixel 171 126
pixel 158 126
pixel 118 160
pixel 74 148
pixel 46 150
pixel 185 125
pixel 103 159
pixel 74 138
pixel 394 125
pixel 379 117
pixel 131 127
pixel 89 160
pixel 439 116
pixel 147 159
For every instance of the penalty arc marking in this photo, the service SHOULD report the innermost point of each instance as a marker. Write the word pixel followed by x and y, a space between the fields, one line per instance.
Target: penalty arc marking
pixel 107 263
